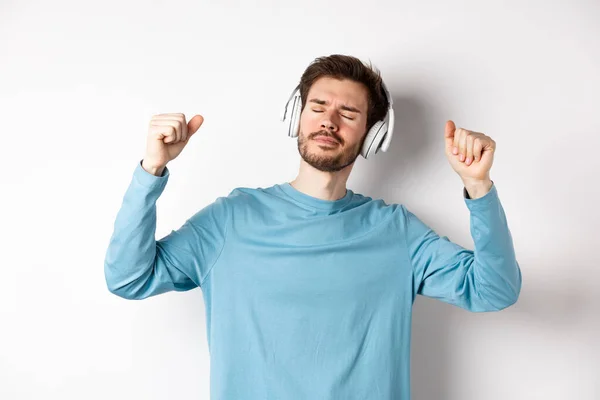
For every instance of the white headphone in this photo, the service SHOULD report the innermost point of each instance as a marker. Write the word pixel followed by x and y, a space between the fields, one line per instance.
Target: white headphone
pixel 378 137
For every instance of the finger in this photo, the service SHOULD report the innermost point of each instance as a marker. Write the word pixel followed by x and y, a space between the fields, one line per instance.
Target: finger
pixel 462 145
pixel 170 115
pixel 477 147
pixel 175 123
pixel 166 133
pixel 195 123
pixel 180 118
pixel 456 141
pixel 469 157
pixel 184 129
pixel 449 134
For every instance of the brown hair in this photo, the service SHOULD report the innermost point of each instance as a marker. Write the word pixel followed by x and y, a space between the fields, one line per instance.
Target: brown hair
pixel 348 67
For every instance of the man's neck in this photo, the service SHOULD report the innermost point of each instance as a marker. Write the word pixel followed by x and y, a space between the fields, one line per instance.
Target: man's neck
pixel 322 185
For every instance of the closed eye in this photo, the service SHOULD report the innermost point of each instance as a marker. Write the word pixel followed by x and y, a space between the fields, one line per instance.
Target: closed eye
pixel 345 116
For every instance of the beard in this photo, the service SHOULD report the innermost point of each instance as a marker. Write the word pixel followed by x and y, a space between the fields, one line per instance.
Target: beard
pixel 331 159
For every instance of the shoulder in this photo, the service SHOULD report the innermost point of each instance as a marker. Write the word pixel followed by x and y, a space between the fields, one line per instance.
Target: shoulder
pixel 377 209
pixel 246 198
pixel 376 203
pixel 223 208
pixel 243 195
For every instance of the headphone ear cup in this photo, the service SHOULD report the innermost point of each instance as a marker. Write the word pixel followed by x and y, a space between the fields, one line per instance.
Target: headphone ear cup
pixel 373 139
pixel 295 117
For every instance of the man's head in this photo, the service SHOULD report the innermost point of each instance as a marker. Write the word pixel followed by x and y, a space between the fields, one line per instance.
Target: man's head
pixel 341 100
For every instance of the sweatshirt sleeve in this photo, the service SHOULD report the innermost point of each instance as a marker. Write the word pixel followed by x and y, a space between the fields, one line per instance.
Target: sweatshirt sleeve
pixel 138 266
pixel 486 279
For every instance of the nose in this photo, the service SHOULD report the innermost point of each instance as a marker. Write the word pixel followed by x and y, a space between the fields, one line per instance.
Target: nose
pixel 328 123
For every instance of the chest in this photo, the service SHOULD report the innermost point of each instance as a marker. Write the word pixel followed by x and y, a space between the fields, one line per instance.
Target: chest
pixel 316 275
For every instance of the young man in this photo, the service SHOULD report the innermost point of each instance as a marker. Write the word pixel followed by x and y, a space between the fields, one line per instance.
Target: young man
pixel 309 286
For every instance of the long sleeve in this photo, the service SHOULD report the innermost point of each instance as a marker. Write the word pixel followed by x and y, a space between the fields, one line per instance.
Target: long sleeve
pixel 486 279
pixel 137 266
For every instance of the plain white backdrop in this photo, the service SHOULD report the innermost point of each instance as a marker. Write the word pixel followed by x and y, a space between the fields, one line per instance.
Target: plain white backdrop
pixel 79 82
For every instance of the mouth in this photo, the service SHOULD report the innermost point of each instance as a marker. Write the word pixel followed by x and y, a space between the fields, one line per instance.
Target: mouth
pixel 326 140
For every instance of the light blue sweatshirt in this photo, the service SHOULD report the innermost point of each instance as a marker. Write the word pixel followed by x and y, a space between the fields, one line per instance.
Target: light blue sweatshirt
pixel 308 298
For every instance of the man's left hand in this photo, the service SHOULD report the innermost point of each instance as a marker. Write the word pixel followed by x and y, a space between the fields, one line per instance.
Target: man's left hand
pixel 470 153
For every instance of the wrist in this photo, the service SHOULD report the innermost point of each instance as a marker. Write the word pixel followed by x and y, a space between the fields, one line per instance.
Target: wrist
pixel 156 170
pixel 478 188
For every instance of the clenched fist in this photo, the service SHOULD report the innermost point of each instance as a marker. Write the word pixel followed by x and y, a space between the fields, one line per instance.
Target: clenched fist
pixel 167 136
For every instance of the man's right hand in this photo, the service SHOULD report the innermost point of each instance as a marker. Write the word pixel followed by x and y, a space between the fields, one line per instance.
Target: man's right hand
pixel 167 136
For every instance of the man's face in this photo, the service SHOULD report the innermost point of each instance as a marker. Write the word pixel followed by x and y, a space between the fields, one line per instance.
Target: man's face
pixel 335 110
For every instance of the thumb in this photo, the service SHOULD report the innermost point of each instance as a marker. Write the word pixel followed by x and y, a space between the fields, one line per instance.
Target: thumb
pixel 194 124
pixel 449 134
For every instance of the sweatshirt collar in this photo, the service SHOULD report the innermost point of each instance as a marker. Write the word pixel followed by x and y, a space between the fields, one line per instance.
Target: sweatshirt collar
pixel 307 200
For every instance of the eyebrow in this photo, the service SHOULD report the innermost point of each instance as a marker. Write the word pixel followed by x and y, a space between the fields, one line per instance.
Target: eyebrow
pixel 343 107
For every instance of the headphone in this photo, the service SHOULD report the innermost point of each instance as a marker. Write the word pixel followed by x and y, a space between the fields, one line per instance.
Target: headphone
pixel 378 137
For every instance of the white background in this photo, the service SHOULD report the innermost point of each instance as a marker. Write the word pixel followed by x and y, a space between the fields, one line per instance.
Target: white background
pixel 79 82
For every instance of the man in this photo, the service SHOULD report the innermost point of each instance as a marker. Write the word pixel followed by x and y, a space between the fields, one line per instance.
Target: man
pixel 309 286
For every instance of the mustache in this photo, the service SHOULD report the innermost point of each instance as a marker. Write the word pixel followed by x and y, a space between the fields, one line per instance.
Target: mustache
pixel 326 134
